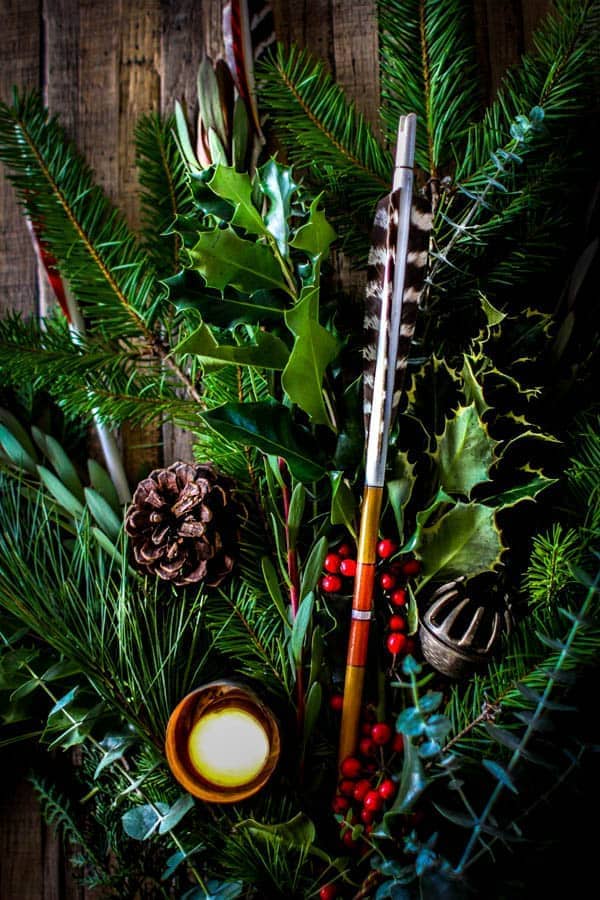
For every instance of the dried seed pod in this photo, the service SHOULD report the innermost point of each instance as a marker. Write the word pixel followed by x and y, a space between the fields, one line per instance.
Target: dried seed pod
pixel 458 634
pixel 183 523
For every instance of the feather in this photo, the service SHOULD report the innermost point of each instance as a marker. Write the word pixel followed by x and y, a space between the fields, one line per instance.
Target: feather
pixel 380 278
pixel 247 32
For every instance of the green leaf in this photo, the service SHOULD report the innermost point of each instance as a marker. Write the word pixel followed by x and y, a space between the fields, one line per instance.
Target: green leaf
pixel 426 515
pixel 464 452
pixel 472 389
pixel 102 483
pixel 410 722
pixel 114 749
pixel 268 351
pixel 14 426
pixel 223 258
pixel 314 699
pixel 527 491
pixel 411 786
pixel 237 188
pixel 17 454
pixel 103 513
pixel 315 236
pixel 175 813
pixel 343 503
pixel 500 773
pixel 63 466
pixel 278 187
pixel 313 567
pixel 63 497
pixel 183 138
pixel 141 822
pixel 297 834
pixel 464 542
pixel 493 316
pixel 215 890
pixel 412 614
pixel 295 513
pixel 272 583
pixel 301 625
pixel 314 348
pixel 268 426
pixel 64 701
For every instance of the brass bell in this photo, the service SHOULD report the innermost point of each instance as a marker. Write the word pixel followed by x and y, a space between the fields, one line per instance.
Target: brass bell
pixel 457 633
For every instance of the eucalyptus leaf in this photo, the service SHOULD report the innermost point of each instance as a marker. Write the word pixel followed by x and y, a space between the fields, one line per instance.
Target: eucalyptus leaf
pixel 268 426
pixel 500 773
pixel 175 813
pixel 223 258
pixel 141 822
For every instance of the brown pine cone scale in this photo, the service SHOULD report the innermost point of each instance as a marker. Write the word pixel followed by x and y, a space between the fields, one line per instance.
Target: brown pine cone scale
pixel 183 523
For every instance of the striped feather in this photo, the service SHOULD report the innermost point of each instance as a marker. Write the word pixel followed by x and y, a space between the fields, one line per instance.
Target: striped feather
pixel 380 278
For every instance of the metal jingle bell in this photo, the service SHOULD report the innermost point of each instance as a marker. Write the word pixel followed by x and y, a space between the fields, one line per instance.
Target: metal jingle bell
pixel 458 634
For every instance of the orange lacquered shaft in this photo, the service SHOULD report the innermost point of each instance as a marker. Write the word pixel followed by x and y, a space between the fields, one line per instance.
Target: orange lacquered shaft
pixel 362 606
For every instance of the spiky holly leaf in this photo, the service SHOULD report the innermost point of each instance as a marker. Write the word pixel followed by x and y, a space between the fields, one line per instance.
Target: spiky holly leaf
pixel 278 187
pixel 223 258
pixel 527 491
pixel 471 387
pixel 267 352
pixel 464 452
pixel 314 349
pixel 236 187
pixel 464 541
pixel 315 236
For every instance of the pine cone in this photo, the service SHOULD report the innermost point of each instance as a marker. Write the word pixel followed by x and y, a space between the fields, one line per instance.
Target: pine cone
pixel 183 524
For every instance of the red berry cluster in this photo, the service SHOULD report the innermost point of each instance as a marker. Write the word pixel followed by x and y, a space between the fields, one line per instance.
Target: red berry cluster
pixel 392 580
pixel 364 787
pixel 337 564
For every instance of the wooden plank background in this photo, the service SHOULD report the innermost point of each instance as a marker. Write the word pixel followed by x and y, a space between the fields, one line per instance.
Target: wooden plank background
pixel 100 63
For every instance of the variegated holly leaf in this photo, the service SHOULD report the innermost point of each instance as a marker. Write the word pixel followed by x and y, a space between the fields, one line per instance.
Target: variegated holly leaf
pixel 464 453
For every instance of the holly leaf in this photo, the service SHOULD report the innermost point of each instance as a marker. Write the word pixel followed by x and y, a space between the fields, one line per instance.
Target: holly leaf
pixel 188 291
pixel 527 491
pixel 298 834
pixel 472 389
pixel 269 426
pixel 236 187
pixel 268 351
pixel 464 541
pixel 278 187
pixel 464 453
pixel 315 236
pixel 314 348
pixel 223 258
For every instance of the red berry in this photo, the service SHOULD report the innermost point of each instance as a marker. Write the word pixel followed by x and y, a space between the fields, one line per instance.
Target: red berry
pixel 340 805
pixel 397 623
pixel 361 789
pixel 336 702
pixel 328 892
pixel 387 788
pixel 331 584
pixel 373 802
pixel 366 747
pixel 346 787
pixel 348 567
pixel 396 642
pixel 345 550
pixel 351 767
pixel 398 597
pixel 366 816
pixel 381 733
pixel 348 840
pixel 387 581
pixel 411 567
pixel 386 548
pixel 398 743
pixel 332 563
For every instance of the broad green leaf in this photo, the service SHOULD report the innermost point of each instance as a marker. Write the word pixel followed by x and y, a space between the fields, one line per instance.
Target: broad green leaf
pixel 102 483
pixel 295 513
pixel 15 451
pixel 141 822
pixel 272 583
pixel 343 503
pixel 464 542
pixel 301 625
pixel 223 258
pixel 314 348
pixel 314 699
pixel 315 236
pixel 425 516
pixel 313 567
pixel 103 513
pixel 61 463
pixel 182 135
pixel 297 834
pixel 268 426
pixel 464 452
pixel 61 494
pixel 269 351
pixel 175 813
pixel 14 426
pixel 400 489
pixel 278 187
pixel 237 188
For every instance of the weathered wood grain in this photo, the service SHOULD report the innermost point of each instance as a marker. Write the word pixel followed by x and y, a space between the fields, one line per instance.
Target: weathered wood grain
pixel 20 50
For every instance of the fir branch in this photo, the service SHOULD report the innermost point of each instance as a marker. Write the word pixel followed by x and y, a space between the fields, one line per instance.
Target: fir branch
pixel 166 192
pixel 427 58
pixel 550 570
